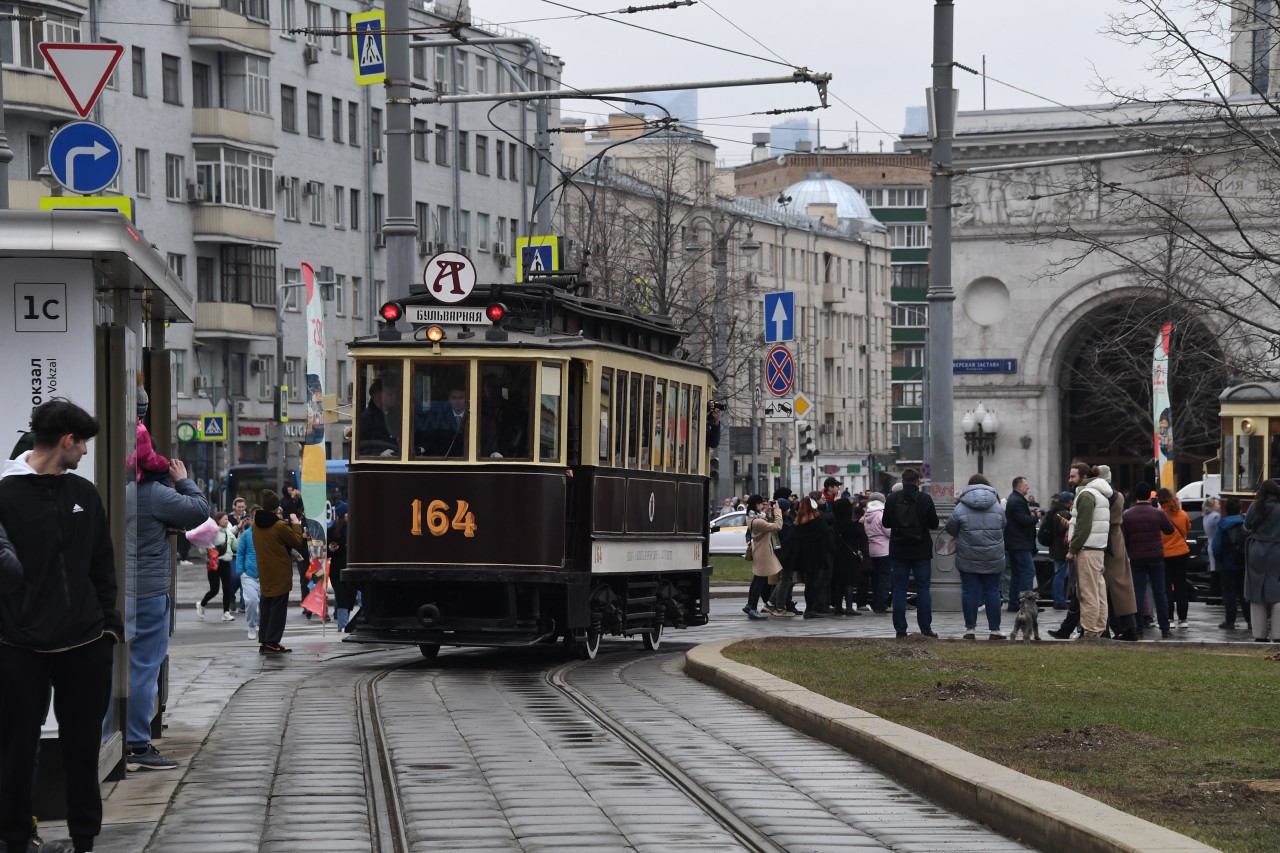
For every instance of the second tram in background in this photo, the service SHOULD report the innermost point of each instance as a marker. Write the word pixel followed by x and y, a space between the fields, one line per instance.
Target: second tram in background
pixel 527 467
pixel 1250 451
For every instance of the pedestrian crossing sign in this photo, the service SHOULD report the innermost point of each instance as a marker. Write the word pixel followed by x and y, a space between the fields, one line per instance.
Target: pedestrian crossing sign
pixel 213 427
pixel 537 255
pixel 368 46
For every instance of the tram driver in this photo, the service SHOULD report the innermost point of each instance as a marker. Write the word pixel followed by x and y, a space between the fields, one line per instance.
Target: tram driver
pixel 380 421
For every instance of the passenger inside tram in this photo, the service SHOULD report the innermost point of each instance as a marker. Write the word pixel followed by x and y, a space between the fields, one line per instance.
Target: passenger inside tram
pixel 505 391
pixel 441 421
pixel 379 423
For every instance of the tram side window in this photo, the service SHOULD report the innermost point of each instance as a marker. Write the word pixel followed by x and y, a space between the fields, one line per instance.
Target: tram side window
pixel 673 415
pixel 1274 458
pixel 1248 462
pixel 606 412
pixel 659 401
pixel 644 425
pixel 1228 462
pixel 506 389
pixel 378 426
pixel 441 425
pixel 695 431
pixel 684 429
pixel 549 416
pixel 620 421
pixel 633 423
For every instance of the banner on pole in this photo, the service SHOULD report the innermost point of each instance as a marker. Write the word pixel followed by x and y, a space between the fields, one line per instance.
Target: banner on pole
pixel 1161 411
pixel 314 475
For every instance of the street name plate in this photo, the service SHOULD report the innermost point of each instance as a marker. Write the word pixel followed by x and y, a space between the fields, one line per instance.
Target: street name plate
pixel 424 314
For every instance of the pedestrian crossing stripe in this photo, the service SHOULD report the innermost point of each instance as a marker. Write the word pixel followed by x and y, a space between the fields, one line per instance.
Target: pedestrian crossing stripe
pixel 367 46
pixel 213 427
pixel 537 255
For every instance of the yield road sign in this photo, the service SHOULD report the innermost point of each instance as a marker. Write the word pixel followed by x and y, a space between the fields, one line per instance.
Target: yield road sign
pixel 780 411
pixel 449 277
pixel 84 157
pixel 213 427
pixel 82 69
pixel 779 371
pixel 368 46
pixel 537 255
pixel 803 404
pixel 779 317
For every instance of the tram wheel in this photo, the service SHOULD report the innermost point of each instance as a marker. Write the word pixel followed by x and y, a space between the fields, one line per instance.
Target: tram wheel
pixel 588 646
pixel 653 637
pixel 429 650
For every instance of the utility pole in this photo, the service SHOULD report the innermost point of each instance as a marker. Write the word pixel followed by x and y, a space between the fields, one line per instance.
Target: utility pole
pixel 941 298
pixel 6 154
pixel 400 228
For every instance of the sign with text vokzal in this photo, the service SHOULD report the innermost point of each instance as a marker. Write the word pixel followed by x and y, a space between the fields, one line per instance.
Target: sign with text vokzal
pixel 46 342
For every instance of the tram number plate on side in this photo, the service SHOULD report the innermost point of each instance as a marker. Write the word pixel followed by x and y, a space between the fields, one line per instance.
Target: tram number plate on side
pixel 425 314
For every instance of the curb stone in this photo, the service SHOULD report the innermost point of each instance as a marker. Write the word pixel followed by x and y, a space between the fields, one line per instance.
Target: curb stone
pixel 1043 814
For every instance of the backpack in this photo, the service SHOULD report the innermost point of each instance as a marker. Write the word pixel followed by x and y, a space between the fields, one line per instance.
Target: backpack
pixel 1045 534
pixel 906 528
pixel 1236 541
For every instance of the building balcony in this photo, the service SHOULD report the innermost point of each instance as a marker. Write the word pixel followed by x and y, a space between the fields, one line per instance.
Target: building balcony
pixel 26 195
pixel 832 292
pixel 212 26
pixel 832 348
pixel 36 93
pixel 234 320
pixel 215 223
pixel 219 124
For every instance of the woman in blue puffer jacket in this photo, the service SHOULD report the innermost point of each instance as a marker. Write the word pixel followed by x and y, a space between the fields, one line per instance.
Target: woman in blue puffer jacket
pixel 977 523
pixel 247 568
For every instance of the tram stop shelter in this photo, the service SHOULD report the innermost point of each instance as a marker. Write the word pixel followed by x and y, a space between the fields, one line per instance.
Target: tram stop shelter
pixel 84 302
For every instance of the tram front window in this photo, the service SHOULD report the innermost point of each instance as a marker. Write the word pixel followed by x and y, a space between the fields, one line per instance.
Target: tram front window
pixel 378 427
pixel 441 420
pixel 506 388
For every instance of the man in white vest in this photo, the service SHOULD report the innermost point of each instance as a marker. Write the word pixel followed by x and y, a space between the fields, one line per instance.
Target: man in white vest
pixel 1087 536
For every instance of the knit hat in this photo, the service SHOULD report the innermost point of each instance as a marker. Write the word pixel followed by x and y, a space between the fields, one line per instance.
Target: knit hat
pixel 1066 496
pixel 877 496
pixel 1103 472
pixel 144 402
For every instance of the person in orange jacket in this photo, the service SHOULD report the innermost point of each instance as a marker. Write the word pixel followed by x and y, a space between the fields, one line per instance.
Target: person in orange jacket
pixel 1177 556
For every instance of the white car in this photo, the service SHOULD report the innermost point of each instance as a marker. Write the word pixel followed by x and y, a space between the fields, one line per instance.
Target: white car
pixel 729 534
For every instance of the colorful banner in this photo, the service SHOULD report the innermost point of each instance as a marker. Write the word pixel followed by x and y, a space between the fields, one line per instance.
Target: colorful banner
pixel 314 496
pixel 1161 412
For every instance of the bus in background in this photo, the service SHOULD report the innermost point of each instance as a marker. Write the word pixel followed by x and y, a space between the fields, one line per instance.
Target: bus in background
pixel 249 481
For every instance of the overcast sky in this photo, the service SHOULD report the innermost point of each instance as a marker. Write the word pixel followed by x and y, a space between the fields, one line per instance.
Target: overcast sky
pixel 878 51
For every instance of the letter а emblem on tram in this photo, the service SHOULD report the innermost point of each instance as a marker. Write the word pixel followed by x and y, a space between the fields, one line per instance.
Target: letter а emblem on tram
pixel 449 277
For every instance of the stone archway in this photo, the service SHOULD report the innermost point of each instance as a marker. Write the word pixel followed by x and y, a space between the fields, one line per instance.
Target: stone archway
pixel 1104 389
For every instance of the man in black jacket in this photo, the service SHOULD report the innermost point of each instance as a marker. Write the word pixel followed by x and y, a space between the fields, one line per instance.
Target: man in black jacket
pixel 1020 541
pixel 58 627
pixel 909 515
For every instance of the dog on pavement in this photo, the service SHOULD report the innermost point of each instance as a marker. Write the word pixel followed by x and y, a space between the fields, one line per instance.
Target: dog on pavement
pixel 1028 618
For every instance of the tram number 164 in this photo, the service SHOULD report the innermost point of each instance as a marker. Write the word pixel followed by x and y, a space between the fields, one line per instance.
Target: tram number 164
pixel 438 523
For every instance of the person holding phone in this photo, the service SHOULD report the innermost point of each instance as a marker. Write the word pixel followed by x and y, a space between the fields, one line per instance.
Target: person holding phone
pixel 273 539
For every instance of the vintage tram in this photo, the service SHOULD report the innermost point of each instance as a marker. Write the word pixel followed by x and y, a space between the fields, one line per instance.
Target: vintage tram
pixel 528 466
pixel 1250 450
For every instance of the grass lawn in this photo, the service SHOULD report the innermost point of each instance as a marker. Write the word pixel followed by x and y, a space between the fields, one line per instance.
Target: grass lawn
pixel 729 568
pixel 1173 734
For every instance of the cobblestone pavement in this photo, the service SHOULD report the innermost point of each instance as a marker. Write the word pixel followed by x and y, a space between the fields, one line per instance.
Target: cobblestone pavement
pixel 269 757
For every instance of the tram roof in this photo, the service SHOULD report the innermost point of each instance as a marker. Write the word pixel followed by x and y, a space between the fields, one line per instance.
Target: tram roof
pixel 1251 392
pixel 122 257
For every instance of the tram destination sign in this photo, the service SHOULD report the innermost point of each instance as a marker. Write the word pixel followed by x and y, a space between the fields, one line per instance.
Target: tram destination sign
pixel 450 316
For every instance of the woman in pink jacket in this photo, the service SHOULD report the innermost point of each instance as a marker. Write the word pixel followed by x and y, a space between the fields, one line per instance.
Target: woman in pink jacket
pixel 876 582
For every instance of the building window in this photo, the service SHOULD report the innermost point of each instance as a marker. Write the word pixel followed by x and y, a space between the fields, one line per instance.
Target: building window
pixel 291 289
pixel 498 154
pixel 442 225
pixel 375 127
pixel 420 132
pixel 236 178
pixel 313 22
pixel 420 63
pixel 139 56
pixel 357 297
pixel 482 232
pixel 340 295
pixel 464 230
pixel 170 79
pixel 442 145
pixel 293 379
pixel 175 177
pixel 482 155
pixel 464 158
pixel 355 209
pixel 910 316
pixel 353 124
pixel 512 155
pixel 909 236
pixel 257 86
pixel 267 378
pixel 912 356
pixel 206 282
pixel 20 39
pixel 422 218
pixel 178 362
pixel 482 74
pixel 1260 58
pixel 291 199
pixel 335 119
pixel 288 18
pixel 460 62
pixel 315 118
pixel 376 224
pixel 142 172
pixel 914 276
pixel 254 10
pixel 201 86
pixel 442 64
pixel 288 109
pixel 178 266
pixel 335 23
pixel 37 155
pixel 315 195
pixel 339 206
pixel 249 275
pixel 908 394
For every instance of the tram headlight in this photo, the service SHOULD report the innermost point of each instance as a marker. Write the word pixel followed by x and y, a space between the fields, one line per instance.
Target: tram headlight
pixel 435 334
pixel 1246 426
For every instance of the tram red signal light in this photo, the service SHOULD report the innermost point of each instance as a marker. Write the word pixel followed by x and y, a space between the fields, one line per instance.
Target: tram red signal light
pixel 391 312
pixel 495 311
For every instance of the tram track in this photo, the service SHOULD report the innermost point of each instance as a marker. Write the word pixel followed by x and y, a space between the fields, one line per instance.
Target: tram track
pixel 386 811
pixel 741 829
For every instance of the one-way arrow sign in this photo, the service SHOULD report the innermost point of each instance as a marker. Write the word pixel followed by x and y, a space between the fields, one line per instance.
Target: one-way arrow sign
pixel 779 317
pixel 82 69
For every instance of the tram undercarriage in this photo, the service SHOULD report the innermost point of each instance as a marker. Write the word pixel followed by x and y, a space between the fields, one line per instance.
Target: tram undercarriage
pixel 476 608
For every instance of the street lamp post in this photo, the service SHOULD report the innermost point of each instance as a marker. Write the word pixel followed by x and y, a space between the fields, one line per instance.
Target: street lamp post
pixel 721 230
pixel 980 427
